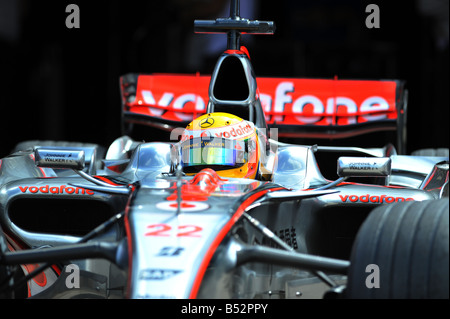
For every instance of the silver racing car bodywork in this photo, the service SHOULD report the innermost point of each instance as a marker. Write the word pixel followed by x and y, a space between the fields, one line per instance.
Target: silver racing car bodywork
pixel 77 221
pixel 203 244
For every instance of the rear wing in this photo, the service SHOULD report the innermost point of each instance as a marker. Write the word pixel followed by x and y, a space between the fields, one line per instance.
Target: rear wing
pixel 298 107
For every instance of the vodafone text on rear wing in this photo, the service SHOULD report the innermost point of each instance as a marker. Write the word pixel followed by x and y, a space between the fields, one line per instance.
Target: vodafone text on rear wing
pixel 298 107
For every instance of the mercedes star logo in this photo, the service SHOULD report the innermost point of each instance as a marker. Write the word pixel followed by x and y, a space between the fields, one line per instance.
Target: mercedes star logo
pixel 207 122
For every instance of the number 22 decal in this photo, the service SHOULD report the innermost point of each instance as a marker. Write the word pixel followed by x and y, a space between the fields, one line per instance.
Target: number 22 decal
pixel 164 230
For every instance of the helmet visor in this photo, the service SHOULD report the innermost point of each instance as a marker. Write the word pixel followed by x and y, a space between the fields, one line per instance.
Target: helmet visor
pixel 220 152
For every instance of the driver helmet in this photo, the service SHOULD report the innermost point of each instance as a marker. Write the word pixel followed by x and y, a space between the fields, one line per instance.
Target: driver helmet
pixel 222 142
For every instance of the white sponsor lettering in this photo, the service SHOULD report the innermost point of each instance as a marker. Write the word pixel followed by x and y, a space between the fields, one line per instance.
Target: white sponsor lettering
pixel 316 108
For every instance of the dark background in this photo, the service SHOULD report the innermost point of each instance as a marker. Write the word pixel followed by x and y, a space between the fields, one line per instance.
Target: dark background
pixel 63 84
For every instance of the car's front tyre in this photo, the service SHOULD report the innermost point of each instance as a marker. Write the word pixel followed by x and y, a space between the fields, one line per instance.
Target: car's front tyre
pixel 402 251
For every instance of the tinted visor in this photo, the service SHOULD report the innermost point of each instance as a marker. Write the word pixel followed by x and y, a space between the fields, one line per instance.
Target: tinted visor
pixel 217 153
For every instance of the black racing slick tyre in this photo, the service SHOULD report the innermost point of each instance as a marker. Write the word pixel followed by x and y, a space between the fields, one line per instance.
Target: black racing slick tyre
pixel 402 252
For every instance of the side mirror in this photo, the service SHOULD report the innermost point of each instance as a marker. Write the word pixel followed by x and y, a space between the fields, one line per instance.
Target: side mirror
pixel 59 158
pixel 74 160
pixel 363 166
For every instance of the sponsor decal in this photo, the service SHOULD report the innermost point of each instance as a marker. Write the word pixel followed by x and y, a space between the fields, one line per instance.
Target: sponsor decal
pixel 364 166
pixel 285 101
pixel 63 189
pixel 321 109
pixel 170 251
pixel 209 121
pixel 158 274
pixel 374 198
pixel 59 157
pixel 235 131
pixel 186 206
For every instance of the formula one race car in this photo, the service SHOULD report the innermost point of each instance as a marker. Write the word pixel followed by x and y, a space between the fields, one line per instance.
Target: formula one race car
pixel 225 210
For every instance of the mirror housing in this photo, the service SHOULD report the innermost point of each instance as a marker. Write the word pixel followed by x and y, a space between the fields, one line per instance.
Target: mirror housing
pixel 59 158
pixel 363 166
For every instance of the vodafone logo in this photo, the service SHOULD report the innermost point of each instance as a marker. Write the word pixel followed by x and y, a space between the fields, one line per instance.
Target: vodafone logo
pixel 63 189
pixel 186 206
pixel 309 108
pixel 167 99
pixel 235 131
pixel 374 199
pixel 289 101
